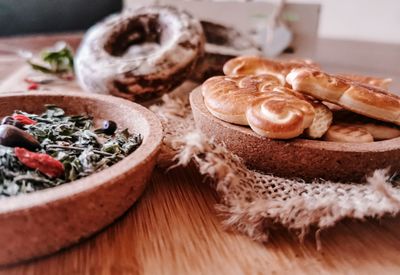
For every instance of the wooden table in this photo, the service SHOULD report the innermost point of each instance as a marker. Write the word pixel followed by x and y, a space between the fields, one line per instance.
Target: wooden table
pixel 174 229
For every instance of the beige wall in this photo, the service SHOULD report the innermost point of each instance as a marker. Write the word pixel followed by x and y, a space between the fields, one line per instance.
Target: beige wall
pixel 368 20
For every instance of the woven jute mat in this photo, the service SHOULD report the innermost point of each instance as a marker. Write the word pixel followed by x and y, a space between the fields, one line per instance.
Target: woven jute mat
pixel 254 203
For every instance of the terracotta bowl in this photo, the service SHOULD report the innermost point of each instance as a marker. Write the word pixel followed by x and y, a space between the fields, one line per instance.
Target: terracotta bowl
pixel 301 158
pixel 45 221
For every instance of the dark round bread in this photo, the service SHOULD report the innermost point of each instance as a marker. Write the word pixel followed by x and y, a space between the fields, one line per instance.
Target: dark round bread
pixel 139 54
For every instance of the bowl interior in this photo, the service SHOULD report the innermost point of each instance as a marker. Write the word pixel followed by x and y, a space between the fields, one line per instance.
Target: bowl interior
pixel 134 117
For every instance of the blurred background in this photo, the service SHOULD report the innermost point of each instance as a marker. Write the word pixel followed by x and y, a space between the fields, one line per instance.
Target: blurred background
pixel 47 16
pixel 356 36
pixel 366 20
pixel 372 20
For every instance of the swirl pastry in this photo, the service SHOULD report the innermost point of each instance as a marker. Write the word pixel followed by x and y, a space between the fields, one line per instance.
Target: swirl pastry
pixel 323 115
pixel 227 98
pixel 279 115
pixel 139 54
pixel 254 65
pixel 363 99
pixel 256 101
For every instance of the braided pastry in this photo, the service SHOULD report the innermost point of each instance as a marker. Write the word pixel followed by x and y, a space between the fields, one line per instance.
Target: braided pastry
pixel 360 98
pixel 370 80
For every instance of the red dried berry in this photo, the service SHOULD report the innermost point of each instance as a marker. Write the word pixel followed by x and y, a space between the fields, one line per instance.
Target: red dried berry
pixel 33 86
pixel 42 162
pixel 23 119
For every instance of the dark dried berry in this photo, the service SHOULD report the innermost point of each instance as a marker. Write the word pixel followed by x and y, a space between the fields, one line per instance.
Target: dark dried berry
pixel 11 136
pixel 11 121
pixel 109 128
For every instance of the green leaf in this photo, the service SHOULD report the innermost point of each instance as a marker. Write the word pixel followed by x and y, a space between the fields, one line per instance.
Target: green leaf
pixel 56 61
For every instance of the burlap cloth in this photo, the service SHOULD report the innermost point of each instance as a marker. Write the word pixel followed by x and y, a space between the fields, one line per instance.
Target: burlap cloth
pixel 254 203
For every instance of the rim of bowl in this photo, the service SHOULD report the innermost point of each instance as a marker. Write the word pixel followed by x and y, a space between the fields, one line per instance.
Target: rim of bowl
pixel 150 145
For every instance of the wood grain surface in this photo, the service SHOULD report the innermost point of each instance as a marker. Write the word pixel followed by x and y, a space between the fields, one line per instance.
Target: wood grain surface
pixel 174 229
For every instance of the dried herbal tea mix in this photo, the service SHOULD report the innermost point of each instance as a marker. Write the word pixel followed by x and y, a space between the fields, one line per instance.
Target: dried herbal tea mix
pixel 42 151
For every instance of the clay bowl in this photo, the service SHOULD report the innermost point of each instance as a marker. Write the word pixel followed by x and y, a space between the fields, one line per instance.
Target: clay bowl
pixel 45 221
pixel 300 158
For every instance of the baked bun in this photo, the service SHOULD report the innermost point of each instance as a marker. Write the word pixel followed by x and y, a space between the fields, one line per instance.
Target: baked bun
pixel 348 133
pixel 369 80
pixel 360 98
pixel 254 65
pixel 139 54
pixel 253 101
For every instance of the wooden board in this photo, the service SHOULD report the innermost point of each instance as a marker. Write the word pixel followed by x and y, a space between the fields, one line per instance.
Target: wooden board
pixel 174 229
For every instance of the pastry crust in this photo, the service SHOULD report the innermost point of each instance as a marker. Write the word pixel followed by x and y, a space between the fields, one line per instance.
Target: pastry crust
pixel 360 98
pixel 369 80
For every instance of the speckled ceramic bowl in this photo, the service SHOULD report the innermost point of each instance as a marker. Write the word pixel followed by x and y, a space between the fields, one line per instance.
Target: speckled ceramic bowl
pixel 45 221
